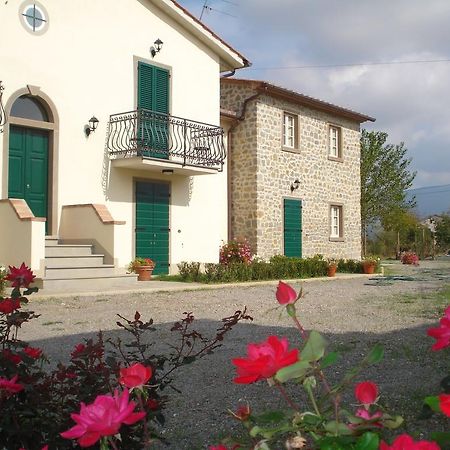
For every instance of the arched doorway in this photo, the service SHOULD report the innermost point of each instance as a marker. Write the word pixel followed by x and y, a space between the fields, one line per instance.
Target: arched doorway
pixel 31 160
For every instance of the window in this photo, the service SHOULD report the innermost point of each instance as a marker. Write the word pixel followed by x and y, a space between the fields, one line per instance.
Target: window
pixel 34 17
pixel 29 108
pixel 290 131
pixel 336 223
pixel 335 142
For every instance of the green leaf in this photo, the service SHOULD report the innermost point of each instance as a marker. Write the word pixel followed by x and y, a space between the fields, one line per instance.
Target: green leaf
pixel 329 359
pixel 314 348
pixel 392 422
pixel 31 290
pixel 368 441
pixel 441 437
pixel 375 355
pixel 296 370
pixel 337 428
pixel 433 403
pixel 270 417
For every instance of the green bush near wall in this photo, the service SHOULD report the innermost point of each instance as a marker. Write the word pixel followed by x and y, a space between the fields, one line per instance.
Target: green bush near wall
pixel 278 267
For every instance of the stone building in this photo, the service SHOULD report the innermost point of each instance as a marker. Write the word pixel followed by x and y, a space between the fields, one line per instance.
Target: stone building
pixel 294 176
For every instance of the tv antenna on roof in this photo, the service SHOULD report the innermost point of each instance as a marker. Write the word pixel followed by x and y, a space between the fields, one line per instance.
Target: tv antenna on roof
pixel 206 7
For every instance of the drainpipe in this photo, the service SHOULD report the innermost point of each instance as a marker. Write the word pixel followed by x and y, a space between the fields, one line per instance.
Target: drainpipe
pixel 236 122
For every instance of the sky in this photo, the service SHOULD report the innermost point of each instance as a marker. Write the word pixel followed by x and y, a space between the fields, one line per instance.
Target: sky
pixel 411 101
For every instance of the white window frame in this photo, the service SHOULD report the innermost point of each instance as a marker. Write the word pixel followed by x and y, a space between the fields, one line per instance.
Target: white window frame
pixel 290 130
pixel 336 221
pixel 334 143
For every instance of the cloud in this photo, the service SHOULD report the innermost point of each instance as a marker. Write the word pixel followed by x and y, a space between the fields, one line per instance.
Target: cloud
pixel 410 101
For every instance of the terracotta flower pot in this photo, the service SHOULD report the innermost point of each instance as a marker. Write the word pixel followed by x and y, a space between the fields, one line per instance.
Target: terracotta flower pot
pixel 369 268
pixel 331 271
pixel 144 272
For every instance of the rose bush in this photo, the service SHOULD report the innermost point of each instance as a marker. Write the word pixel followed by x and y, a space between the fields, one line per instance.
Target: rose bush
pixel 117 385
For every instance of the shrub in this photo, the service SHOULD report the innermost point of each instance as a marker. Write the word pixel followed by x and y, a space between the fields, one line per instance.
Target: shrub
pixel 235 251
pixel 350 266
pixel 37 405
pixel 409 258
pixel 3 281
pixel 189 271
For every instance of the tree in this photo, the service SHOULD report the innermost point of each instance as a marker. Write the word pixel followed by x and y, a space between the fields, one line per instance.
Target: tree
pixel 442 233
pixel 385 177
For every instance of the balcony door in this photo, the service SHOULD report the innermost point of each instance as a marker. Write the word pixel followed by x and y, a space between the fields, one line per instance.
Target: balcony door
pixel 153 106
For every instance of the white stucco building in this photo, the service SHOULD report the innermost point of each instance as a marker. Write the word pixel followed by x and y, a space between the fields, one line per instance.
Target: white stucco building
pixel 151 179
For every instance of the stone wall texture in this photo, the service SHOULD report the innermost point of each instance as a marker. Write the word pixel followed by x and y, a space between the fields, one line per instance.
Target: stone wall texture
pixel 262 173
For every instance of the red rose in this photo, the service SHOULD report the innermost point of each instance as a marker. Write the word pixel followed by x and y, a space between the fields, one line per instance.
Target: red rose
pixel 406 442
pixel 242 413
pixel 32 352
pixel 264 360
pixel 444 404
pixel 8 305
pixel 366 393
pixel 20 277
pixel 10 386
pixel 442 333
pixel 285 294
pixel 104 417
pixel 135 376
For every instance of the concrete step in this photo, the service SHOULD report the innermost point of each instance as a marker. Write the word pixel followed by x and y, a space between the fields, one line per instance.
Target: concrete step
pixel 61 273
pixel 51 241
pixel 52 262
pixel 90 284
pixel 68 250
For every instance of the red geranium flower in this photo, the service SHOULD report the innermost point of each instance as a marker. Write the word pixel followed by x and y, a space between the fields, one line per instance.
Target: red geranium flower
pixel 264 360
pixel 406 442
pixel 8 305
pixel 152 404
pixel 20 277
pixel 10 386
pixel 444 404
pixel 33 352
pixel 364 414
pixel 442 333
pixel 366 393
pixel 135 376
pixel 285 294
pixel 104 417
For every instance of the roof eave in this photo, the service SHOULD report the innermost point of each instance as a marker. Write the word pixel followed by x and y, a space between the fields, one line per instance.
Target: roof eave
pixel 230 58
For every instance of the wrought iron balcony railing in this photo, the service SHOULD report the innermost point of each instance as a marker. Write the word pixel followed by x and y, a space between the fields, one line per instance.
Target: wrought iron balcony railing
pixel 155 135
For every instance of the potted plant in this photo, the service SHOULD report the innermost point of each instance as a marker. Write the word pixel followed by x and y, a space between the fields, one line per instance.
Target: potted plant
pixel 369 264
pixel 143 267
pixel 331 267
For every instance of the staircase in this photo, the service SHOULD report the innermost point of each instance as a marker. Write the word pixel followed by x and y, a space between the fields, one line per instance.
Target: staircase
pixel 75 268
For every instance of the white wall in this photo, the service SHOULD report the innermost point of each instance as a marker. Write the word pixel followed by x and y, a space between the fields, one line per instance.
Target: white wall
pixel 86 63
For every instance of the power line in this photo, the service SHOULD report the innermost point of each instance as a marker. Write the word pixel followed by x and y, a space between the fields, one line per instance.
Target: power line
pixel 372 63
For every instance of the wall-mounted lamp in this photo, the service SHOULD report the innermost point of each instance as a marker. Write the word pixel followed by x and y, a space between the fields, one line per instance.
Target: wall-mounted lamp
pixel 295 185
pixel 93 124
pixel 167 171
pixel 2 109
pixel 157 47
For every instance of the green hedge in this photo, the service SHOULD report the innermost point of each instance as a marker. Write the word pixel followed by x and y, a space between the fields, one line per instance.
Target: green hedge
pixel 278 267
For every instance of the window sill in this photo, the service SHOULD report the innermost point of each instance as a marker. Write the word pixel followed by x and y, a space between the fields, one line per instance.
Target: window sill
pixel 337 239
pixel 290 149
pixel 334 158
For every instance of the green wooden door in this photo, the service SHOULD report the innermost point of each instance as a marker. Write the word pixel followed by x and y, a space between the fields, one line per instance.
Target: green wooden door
pixel 28 168
pixel 293 228
pixel 153 95
pixel 152 224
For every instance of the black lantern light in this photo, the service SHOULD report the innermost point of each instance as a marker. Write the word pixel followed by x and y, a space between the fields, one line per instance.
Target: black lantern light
pixel 295 185
pixel 157 47
pixel 93 124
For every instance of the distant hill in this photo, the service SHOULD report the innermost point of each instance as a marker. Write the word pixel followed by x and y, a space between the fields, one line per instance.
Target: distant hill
pixel 431 200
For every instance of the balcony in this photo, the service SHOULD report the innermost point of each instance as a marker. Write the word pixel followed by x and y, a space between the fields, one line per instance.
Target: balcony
pixel 154 141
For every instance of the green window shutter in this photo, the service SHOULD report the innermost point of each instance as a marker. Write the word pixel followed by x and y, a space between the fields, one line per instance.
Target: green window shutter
pixel 153 88
pixel 293 228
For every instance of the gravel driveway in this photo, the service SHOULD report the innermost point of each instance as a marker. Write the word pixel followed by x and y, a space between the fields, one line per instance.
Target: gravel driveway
pixel 354 314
